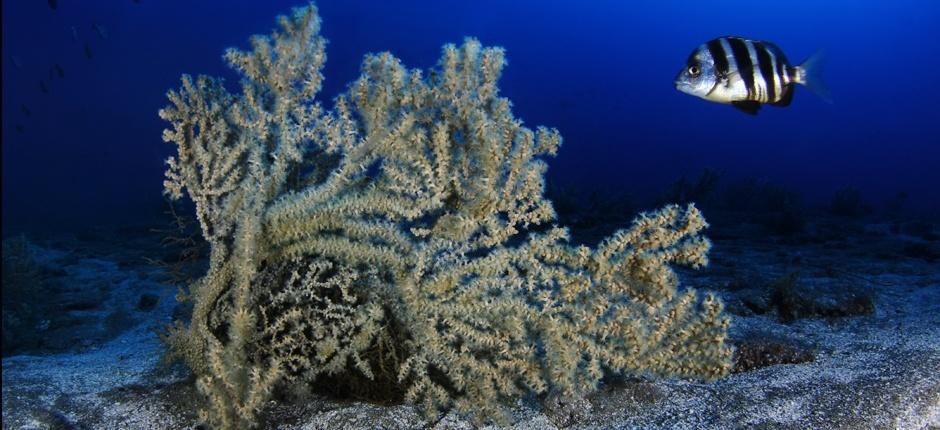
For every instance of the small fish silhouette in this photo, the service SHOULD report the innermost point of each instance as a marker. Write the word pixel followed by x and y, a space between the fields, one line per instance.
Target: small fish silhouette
pixel 74 34
pixel 43 87
pixel 53 4
pixel 26 110
pixel 100 30
pixel 20 128
pixel 59 70
pixel 88 53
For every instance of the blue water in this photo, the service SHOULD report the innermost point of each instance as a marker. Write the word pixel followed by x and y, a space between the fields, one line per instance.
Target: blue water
pixel 601 72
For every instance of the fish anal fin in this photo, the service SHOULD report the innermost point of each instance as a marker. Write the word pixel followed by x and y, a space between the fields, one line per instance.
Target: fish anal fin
pixel 786 99
pixel 747 106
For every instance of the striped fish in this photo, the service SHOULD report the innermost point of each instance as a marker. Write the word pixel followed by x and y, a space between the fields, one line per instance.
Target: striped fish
pixel 747 74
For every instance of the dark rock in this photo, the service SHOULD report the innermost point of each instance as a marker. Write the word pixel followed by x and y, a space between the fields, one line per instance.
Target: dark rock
pixel 756 300
pixel 758 350
pixel 921 229
pixel 921 251
pixel 794 300
pixel 82 305
pixel 748 302
pixel 54 420
pixel 564 410
pixel 786 222
pixel 28 288
pixel 848 202
pixel 147 302
pixel 117 322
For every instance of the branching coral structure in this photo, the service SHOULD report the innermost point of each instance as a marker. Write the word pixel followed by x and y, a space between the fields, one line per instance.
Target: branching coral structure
pixel 406 215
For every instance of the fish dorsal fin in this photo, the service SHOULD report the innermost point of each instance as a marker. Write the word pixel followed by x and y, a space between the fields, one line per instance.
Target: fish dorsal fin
pixel 787 97
pixel 748 106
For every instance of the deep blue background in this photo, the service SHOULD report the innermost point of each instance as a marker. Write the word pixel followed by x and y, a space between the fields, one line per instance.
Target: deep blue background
pixel 600 71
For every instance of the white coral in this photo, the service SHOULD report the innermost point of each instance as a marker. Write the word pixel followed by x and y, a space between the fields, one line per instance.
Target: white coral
pixel 421 179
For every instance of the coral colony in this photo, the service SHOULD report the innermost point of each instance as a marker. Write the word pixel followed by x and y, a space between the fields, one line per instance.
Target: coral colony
pixel 403 236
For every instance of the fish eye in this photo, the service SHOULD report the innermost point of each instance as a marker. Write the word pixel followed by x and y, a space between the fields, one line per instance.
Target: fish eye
pixel 694 70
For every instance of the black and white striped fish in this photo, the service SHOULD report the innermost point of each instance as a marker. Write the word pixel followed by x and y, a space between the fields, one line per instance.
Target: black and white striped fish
pixel 747 73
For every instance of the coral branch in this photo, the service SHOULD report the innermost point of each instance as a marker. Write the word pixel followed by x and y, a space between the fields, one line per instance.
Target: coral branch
pixel 398 219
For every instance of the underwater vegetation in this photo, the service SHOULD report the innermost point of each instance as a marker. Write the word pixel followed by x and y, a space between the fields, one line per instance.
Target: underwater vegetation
pixel 55 302
pixel 847 201
pixel 24 280
pixel 393 237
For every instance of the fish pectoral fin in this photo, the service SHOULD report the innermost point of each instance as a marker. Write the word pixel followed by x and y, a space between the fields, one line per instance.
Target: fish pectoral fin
pixel 724 81
pixel 730 78
pixel 747 106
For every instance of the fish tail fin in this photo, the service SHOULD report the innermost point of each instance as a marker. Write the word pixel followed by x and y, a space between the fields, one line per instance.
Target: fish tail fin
pixel 809 73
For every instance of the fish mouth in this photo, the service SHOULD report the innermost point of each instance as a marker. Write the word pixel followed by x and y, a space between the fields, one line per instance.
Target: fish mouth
pixel 681 83
pixel 682 86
